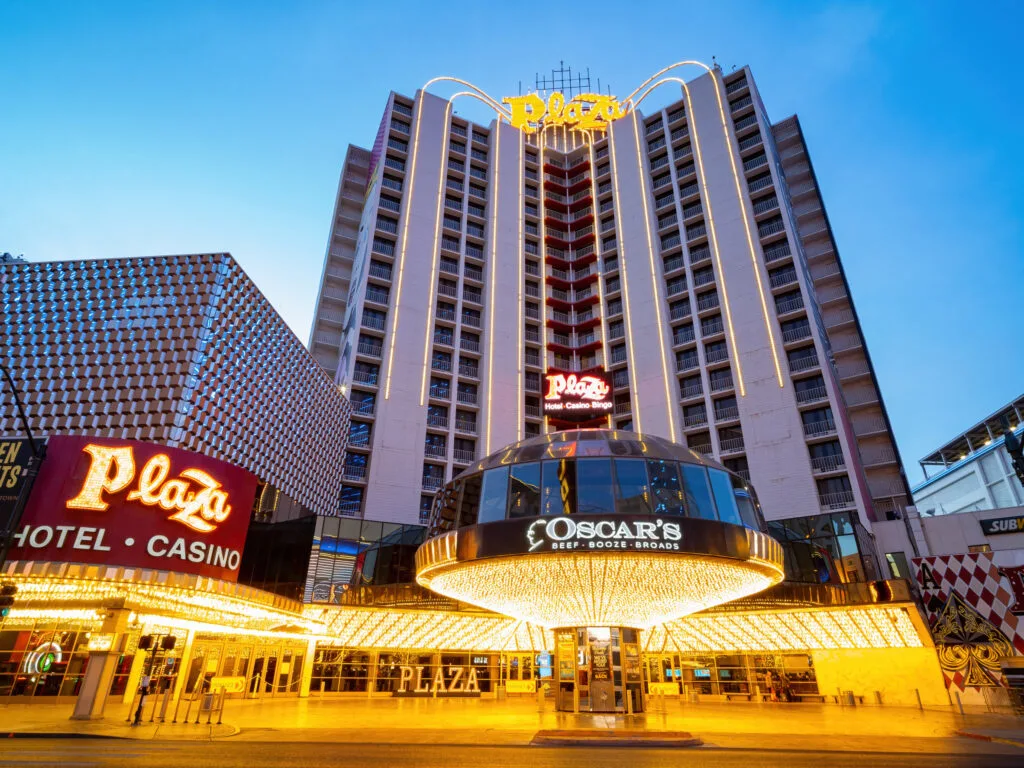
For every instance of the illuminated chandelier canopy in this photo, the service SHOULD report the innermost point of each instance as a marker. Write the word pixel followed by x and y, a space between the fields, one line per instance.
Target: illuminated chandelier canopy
pixel 576 573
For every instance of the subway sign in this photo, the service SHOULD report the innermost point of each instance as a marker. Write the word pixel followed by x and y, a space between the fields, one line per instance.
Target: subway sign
pixel 139 505
pixel 999 525
pixel 577 396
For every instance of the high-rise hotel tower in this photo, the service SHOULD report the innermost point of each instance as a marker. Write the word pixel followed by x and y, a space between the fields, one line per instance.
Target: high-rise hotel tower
pixel 681 256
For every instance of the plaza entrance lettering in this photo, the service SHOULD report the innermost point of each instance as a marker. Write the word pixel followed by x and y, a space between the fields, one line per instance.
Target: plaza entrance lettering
pixel 445 681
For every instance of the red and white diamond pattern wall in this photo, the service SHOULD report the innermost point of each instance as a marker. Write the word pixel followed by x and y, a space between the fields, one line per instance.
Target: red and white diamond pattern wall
pixel 969 607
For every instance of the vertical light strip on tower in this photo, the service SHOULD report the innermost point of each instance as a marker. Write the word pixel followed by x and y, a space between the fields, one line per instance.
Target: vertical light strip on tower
pixel 589 138
pixel 431 289
pixel 541 144
pixel 670 403
pixel 405 240
pixel 494 267
pixel 746 226
pixel 617 206
pixel 520 258
pixel 714 236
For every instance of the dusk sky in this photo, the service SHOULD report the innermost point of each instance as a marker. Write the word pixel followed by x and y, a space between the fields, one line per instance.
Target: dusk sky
pixel 142 128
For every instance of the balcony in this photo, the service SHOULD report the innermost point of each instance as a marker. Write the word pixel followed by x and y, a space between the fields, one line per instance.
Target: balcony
pixel 796 334
pixel 473 273
pixel 350 508
pixel 373 322
pixel 776 252
pixel 705 303
pixel 472 320
pixel 353 472
pixel 467 398
pixel 692 390
pixel 703 277
pixel 443 313
pixel 440 364
pixel 465 425
pixel 699 230
pixel 469 345
pixel 704 449
pixel 833 463
pixel 803 363
pixel 711 328
pixel 688 363
pixel 785 277
pixel 431 483
pixel 696 420
pixel 813 395
pixel 435 451
pixel 445 339
pixel 371 350
pixel 790 305
pixel 383 271
pixel 533 411
pixel 441 393
pixel 731 445
pixel 463 455
pixel 363 407
pixel 437 420
pixel 771 228
pixel 727 414
pixel 365 377
pixel 359 439
pixel 837 500
pixel 819 428
pixel 472 371
pixel 622 408
pixel 720 385
pixel 716 355
pixel 683 336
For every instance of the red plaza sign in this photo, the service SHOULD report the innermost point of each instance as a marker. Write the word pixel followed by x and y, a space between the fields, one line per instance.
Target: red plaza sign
pixel 140 505
pixel 577 396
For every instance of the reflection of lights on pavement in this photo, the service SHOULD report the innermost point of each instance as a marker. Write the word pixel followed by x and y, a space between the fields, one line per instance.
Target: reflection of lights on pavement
pixel 42 659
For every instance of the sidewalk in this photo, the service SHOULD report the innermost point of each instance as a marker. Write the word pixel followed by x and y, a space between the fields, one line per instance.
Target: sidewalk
pixel 516 721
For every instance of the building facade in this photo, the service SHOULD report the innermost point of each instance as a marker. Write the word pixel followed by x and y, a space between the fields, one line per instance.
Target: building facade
pixel 684 252
pixel 179 350
pixel 973 471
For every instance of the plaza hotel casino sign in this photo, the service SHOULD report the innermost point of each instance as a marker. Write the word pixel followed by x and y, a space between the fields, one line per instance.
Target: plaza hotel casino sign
pixel 137 505
pixel 577 397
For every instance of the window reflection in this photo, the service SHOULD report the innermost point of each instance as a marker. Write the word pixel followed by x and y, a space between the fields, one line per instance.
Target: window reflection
pixel 724 498
pixel 559 491
pixel 594 486
pixel 631 490
pixel 698 493
pixel 524 491
pixel 492 499
pixel 666 490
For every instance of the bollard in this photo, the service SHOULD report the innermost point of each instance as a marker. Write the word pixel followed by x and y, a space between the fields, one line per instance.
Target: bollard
pixel 540 698
pixel 220 712
pixel 575 700
pixel 629 702
pixel 917 693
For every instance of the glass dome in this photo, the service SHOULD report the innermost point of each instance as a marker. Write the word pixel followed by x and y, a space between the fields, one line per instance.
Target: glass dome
pixel 594 471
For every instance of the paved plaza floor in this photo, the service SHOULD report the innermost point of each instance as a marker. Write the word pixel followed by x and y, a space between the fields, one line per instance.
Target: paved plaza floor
pixel 515 721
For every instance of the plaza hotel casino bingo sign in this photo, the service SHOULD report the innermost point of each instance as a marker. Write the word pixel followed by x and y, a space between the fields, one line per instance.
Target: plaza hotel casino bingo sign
pixel 138 505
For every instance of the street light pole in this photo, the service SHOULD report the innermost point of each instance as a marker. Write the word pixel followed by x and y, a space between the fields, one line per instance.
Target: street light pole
pixel 38 453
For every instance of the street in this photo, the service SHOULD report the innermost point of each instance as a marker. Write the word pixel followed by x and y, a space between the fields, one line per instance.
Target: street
pixel 228 754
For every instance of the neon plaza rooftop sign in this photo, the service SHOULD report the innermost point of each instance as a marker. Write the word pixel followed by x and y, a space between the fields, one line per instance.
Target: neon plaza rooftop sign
pixel 585 112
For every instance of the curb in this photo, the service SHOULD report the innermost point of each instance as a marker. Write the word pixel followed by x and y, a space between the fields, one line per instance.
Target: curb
pixel 57 735
pixel 607 738
pixel 995 739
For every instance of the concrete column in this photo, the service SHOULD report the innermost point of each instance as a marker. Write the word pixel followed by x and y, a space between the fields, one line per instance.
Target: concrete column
pixel 307 670
pixel 100 671
pixel 183 665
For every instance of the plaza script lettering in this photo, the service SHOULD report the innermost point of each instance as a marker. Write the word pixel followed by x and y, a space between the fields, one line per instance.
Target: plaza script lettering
pixel 584 387
pixel 112 470
pixel 586 111
pixel 439 683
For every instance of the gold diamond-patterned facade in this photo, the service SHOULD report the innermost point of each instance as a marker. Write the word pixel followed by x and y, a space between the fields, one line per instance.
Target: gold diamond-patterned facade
pixel 180 350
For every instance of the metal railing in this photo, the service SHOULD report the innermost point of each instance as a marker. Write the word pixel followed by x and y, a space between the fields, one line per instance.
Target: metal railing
pixel 831 463
pixel 819 428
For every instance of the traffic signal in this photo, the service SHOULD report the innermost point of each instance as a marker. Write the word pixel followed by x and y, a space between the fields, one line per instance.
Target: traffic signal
pixel 7 593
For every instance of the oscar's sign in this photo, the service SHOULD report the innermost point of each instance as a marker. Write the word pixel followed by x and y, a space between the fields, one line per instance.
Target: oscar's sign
pixel 586 112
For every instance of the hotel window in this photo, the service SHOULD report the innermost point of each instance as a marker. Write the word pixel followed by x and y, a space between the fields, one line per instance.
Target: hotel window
pixel 699 502
pixel 631 488
pixel 524 490
pixel 611 284
pixel 725 500
pixel 897 562
pixel 594 486
pixel 666 490
pixel 615 307
pixel 494 494
pixel 478 191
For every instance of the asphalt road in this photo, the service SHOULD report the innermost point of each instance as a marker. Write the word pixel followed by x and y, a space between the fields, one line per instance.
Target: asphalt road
pixel 225 754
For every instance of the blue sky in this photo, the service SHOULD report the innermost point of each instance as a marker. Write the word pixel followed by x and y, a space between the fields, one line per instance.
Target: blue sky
pixel 141 128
